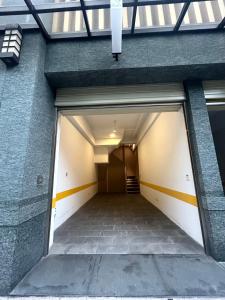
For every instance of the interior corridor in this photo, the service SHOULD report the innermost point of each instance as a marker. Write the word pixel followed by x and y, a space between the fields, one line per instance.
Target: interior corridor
pixel 121 224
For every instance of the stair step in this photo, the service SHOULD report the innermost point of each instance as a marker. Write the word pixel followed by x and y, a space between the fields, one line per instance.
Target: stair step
pixel 131 182
pixel 132 185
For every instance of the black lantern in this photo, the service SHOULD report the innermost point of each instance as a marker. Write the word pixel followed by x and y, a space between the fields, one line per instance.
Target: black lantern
pixel 10 51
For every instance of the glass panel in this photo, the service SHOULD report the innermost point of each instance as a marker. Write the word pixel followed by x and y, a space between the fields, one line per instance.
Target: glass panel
pixel 22 20
pixel 88 2
pixel 99 19
pixel 217 121
pixel 157 15
pixel 12 3
pixel 127 17
pixel 205 13
pixel 36 2
pixel 64 22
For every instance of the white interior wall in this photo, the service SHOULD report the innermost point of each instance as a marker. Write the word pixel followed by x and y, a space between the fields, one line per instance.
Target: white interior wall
pixel 74 167
pixel 101 155
pixel 164 160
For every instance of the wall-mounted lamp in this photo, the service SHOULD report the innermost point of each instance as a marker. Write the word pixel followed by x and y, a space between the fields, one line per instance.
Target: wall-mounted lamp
pixel 10 51
pixel 116 17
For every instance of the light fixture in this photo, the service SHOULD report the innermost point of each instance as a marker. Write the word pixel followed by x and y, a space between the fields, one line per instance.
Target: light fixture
pixel 10 51
pixel 114 130
pixel 116 17
pixel 112 135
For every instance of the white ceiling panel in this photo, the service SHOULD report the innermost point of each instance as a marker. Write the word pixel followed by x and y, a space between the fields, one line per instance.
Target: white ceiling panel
pixel 126 125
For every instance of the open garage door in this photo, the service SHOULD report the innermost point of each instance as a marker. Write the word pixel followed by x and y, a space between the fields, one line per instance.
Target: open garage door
pixel 123 182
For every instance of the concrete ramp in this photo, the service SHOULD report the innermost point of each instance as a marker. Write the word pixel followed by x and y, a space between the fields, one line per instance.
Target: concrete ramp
pixel 124 276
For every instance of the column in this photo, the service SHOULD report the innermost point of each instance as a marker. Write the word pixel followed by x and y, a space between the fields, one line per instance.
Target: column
pixel 208 182
pixel 27 122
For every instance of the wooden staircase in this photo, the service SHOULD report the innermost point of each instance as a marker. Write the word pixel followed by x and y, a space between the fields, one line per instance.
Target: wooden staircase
pixel 132 185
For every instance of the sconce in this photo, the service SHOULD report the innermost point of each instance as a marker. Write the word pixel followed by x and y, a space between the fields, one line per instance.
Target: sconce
pixel 10 51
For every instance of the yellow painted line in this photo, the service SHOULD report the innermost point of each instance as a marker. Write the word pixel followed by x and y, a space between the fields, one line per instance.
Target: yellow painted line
pixel 64 194
pixel 173 193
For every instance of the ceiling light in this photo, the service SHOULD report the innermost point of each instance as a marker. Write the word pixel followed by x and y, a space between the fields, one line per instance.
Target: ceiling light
pixel 114 130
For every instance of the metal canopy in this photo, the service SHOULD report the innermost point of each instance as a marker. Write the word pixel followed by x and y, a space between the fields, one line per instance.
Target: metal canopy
pixel 59 19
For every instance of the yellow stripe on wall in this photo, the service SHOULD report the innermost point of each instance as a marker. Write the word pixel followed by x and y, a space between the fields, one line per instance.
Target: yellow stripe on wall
pixel 70 192
pixel 179 195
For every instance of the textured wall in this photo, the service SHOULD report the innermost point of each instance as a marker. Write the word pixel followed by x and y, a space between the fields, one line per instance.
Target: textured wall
pixel 27 118
pixel 153 58
pixel 209 187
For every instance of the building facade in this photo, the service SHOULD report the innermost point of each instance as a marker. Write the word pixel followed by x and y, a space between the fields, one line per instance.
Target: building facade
pixel 28 117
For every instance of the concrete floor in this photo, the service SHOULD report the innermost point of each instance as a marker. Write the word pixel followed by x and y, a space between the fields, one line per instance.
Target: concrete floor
pixel 124 276
pixel 121 224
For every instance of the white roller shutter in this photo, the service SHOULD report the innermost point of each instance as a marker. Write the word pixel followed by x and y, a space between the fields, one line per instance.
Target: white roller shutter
pixel 214 89
pixel 142 93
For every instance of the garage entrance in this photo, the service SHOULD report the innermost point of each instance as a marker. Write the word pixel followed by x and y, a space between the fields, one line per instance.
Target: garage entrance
pixel 123 183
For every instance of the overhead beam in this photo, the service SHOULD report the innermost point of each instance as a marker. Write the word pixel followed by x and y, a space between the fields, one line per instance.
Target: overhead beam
pixel 85 17
pixel 222 24
pixel 134 16
pixel 182 15
pixel 37 19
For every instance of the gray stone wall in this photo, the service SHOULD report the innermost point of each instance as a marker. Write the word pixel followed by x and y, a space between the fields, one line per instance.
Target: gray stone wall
pixel 208 181
pixel 27 122
pixel 144 59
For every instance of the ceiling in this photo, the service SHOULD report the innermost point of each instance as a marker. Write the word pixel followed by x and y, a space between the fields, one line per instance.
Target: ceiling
pixel 127 126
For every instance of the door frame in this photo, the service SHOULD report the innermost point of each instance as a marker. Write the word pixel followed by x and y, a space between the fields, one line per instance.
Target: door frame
pixel 182 104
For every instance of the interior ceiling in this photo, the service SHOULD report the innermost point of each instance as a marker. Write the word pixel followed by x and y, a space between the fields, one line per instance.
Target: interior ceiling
pixel 127 126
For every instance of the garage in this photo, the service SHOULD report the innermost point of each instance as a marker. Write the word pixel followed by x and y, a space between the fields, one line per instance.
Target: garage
pixel 123 181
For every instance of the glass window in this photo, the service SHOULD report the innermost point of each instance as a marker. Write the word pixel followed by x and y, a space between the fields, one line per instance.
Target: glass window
pixel 217 121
